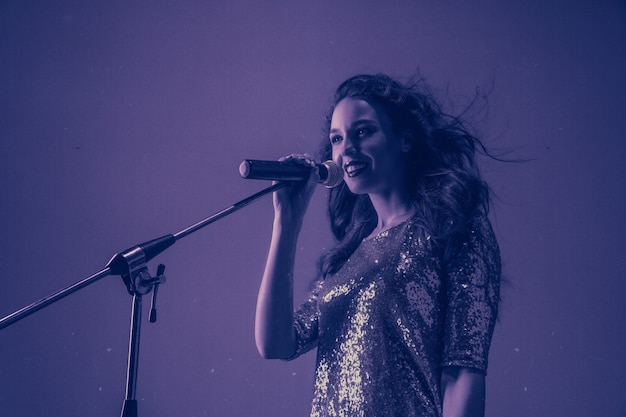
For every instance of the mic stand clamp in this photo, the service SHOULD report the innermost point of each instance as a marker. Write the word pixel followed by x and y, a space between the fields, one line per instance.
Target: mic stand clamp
pixel 131 265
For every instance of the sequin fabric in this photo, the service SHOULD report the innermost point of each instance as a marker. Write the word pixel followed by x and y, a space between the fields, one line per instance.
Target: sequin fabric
pixel 393 316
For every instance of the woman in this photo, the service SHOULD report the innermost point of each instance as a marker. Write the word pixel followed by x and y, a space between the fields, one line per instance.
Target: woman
pixel 404 307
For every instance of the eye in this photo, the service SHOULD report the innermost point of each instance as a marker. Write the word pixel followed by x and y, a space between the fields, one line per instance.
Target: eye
pixel 335 139
pixel 363 131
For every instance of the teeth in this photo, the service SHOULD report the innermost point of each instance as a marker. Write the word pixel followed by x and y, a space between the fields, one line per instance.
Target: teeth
pixel 354 166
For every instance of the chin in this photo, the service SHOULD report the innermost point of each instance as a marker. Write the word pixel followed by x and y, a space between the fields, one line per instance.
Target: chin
pixel 357 187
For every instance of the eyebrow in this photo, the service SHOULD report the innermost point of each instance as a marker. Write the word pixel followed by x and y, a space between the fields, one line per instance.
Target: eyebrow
pixel 356 123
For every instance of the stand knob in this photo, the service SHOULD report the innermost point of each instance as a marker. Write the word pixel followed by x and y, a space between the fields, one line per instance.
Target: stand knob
pixel 159 279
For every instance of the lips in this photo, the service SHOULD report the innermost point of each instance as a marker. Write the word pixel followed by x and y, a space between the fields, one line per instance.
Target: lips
pixel 354 168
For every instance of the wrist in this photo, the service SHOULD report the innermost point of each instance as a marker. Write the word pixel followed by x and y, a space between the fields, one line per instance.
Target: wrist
pixel 287 225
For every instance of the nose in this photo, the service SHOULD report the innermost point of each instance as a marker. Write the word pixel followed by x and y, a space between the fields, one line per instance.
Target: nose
pixel 348 146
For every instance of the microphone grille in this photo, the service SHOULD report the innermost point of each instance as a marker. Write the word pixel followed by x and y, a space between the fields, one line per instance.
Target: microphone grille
pixel 335 175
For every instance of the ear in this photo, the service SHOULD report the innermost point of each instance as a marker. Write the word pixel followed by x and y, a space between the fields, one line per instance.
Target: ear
pixel 406 143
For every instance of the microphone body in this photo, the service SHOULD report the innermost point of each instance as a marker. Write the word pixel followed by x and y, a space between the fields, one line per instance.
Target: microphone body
pixel 330 174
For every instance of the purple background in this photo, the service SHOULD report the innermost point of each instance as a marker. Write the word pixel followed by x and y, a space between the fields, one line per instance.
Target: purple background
pixel 124 121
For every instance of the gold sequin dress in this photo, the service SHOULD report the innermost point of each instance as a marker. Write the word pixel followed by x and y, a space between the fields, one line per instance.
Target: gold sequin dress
pixel 387 322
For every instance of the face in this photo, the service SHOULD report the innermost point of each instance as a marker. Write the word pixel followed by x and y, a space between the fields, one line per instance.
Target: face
pixel 363 144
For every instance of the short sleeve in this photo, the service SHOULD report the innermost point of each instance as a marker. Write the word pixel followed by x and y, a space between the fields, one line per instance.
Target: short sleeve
pixel 473 289
pixel 306 322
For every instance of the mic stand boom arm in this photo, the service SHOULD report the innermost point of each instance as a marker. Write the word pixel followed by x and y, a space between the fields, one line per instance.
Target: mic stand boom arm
pixel 131 265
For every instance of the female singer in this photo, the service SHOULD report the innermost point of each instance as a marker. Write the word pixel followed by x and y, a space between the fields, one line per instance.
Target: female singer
pixel 404 306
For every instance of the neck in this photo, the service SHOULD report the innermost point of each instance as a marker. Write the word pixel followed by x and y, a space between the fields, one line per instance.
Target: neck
pixel 392 210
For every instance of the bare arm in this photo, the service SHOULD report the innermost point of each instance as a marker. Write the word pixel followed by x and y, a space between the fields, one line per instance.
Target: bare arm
pixel 463 392
pixel 274 331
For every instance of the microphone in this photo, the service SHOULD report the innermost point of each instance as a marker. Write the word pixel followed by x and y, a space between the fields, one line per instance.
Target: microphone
pixel 330 174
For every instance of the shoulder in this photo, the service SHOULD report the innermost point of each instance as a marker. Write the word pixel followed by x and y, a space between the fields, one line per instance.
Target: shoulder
pixel 481 237
pixel 477 259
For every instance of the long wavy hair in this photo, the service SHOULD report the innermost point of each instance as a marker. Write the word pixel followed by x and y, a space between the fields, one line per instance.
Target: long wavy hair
pixel 449 191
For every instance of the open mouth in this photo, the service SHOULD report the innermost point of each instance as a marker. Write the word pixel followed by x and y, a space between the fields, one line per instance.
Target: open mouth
pixel 354 168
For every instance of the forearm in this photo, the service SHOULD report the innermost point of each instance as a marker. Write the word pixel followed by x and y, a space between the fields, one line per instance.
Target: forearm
pixel 463 392
pixel 274 332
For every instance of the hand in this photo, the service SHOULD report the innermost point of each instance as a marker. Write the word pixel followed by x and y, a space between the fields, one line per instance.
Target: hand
pixel 291 202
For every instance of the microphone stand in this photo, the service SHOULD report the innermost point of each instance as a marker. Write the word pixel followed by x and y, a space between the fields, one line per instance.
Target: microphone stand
pixel 131 265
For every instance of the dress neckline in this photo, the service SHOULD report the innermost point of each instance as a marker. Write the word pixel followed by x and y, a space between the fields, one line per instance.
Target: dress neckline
pixel 386 232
